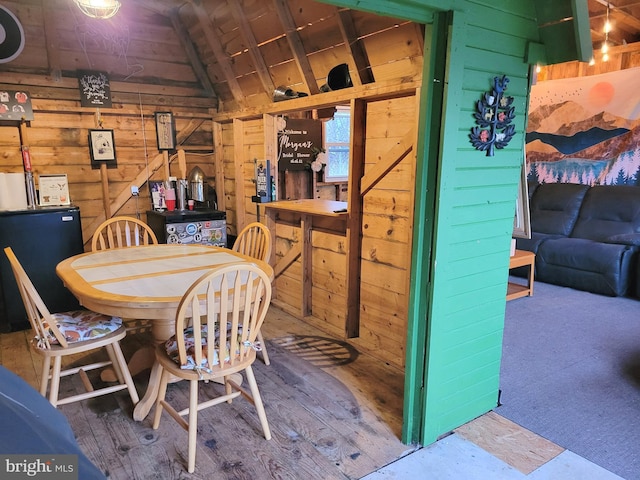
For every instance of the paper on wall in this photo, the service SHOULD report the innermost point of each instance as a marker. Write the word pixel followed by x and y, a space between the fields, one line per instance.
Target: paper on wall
pixel 13 193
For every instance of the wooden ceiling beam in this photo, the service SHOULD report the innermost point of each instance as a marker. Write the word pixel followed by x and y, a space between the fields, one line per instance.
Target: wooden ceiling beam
pixel 218 51
pixel 190 50
pixel 355 48
pixel 295 44
pixel 372 91
pixel 53 52
pixel 254 50
pixel 163 7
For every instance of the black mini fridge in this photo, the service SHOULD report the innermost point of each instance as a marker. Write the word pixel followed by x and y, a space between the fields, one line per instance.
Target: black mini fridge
pixel 40 238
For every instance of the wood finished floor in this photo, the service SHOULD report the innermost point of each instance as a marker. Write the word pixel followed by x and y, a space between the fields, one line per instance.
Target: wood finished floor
pixel 334 413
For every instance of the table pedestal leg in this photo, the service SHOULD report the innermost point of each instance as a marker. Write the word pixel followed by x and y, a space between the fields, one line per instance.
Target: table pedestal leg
pixel 143 407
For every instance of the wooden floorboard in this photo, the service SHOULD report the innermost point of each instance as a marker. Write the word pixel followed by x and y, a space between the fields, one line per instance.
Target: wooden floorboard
pixel 334 413
pixel 508 441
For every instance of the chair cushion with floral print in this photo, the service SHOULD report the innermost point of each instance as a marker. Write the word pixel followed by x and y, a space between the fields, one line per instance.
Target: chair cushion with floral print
pixel 82 325
pixel 171 347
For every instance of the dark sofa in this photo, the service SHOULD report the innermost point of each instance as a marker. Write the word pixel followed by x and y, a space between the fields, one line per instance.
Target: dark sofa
pixel 587 238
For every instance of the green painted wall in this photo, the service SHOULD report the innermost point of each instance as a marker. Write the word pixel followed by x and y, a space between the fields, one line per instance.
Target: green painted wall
pixel 475 200
pixel 464 208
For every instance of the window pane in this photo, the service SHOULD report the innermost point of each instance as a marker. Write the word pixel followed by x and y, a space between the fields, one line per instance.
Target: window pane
pixel 338 164
pixel 338 128
pixel 337 136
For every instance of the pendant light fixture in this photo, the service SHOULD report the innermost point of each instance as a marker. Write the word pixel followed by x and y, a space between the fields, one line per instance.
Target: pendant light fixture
pixel 102 9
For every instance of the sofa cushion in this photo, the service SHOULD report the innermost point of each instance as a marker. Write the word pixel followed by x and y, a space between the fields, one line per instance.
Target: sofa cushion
pixel 555 207
pixel 631 239
pixel 531 188
pixel 603 268
pixel 532 244
pixel 608 210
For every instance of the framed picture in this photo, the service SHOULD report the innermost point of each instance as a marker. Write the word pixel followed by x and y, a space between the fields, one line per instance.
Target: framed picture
pixel 157 194
pixel 165 131
pixel 53 189
pixel 102 148
pixel 521 221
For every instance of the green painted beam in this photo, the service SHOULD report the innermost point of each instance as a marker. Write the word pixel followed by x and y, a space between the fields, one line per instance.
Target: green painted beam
pixel 419 11
pixel 431 104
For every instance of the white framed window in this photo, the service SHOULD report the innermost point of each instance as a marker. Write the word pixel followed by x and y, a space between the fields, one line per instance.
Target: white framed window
pixel 337 137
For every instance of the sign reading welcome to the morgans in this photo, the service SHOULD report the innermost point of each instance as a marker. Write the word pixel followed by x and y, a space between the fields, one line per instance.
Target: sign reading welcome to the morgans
pixel 298 139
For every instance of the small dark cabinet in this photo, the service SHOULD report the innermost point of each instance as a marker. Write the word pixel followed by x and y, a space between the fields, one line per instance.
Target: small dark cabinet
pixel 40 238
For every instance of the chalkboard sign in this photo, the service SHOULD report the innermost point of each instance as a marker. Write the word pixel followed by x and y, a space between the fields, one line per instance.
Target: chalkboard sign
pixel 95 90
pixel 15 106
pixel 298 142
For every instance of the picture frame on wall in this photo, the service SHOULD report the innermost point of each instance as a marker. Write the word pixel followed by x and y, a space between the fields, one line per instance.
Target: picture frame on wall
pixel 53 190
pixel 165 131
pixel 102 148
pixel 157 194
pixel 522 220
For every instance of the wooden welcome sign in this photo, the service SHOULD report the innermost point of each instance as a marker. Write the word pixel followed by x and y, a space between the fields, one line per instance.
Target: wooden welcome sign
pixel 298 141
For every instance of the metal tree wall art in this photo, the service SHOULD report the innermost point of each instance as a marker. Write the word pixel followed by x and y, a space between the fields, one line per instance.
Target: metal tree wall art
pixel 493 115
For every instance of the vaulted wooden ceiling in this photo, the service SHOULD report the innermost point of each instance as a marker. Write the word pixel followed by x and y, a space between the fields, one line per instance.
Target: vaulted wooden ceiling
pixel 236 53
pixel 624 16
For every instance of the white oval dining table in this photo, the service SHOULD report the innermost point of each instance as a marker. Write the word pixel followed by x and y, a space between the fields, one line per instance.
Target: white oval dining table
pixel 145 282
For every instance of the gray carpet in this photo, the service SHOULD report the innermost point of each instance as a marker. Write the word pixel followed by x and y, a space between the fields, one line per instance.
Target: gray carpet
pixel 571 373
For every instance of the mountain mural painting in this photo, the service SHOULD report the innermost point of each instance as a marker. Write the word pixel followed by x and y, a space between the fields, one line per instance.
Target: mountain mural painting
pixel 585 130
pixel 579 141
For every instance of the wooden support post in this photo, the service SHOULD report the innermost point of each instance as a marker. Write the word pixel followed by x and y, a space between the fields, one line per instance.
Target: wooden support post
pixel 182 164
pixel 218 152
pixel 32 201
pixel 354 221
pixel 306 228
pixel 238 160
pixel 271 147
pixel 165 159
pixel 105 190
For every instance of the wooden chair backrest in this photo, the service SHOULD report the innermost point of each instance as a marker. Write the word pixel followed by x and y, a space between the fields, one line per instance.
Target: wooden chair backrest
pixel 122 232
pixel 39 316
pixel 254 240
pixel 232 300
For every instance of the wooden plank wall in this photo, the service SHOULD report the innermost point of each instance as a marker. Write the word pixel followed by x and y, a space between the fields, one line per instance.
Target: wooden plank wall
pixel 386 238
pixel 58 135
pixel 386 233
pixel 242 142
pixel 58 141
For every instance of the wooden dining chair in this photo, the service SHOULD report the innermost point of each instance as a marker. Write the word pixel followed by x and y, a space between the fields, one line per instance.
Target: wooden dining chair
pixel 122 232
pixel 216 327
pixel 59 335
pixel 255 241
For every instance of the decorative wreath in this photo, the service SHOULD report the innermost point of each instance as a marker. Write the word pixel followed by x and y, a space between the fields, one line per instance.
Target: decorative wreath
pixel 494 114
